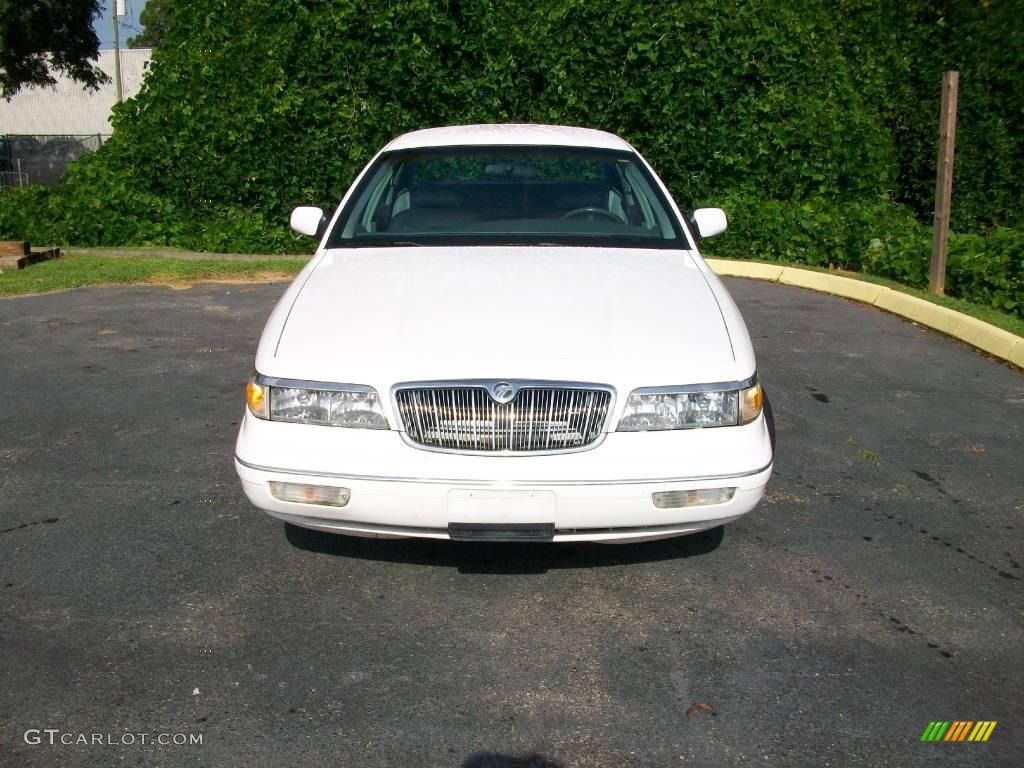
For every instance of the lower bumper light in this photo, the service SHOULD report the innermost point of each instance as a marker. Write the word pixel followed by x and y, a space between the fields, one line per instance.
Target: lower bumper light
pixel 330 496
pixel 699 498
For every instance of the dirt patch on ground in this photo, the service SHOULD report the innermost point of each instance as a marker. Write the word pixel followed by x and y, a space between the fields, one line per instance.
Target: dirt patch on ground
pixel 179 284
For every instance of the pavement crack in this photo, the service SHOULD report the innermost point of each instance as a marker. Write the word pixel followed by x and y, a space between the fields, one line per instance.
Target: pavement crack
pixel 47 521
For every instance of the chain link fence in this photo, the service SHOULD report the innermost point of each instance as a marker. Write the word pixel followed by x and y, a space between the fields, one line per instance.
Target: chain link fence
pixel 28 160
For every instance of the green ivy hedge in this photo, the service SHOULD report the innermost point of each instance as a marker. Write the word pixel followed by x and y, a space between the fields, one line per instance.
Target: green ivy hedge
pixel 261 105
pixel 986 269
pixel 818 232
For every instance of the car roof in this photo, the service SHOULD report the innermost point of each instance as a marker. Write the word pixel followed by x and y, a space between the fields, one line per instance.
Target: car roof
pixel 499 134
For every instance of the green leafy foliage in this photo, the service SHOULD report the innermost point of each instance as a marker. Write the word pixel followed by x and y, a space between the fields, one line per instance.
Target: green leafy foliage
pixel 805 119
pixel 45 36
pixel 262 105
pixel 986 269
pixel 904 48
pixel 818 231
pixel 155 19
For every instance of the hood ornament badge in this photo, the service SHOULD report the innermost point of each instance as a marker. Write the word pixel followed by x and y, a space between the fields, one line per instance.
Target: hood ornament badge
pixel 502 392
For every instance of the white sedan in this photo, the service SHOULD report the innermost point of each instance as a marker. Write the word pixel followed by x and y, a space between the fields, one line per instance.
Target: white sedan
pixel 506 333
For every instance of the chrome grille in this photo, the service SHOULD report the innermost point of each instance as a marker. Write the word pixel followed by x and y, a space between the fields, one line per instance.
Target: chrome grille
pixel 537 419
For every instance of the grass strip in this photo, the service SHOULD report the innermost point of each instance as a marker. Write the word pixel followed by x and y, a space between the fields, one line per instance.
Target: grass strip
pixel 76 271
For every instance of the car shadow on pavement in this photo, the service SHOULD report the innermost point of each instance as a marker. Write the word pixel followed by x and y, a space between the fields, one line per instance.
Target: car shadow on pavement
pixel 502 557
pixel 494 760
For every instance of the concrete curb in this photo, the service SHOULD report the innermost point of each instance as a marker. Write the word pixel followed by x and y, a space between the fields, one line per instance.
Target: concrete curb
pixel 984 336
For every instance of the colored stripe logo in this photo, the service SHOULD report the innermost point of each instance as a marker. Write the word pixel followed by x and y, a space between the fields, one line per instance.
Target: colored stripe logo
pixel 958 730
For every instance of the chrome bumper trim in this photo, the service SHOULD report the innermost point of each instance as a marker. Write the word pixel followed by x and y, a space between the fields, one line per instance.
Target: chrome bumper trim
pixel 542 483
pixel 351 525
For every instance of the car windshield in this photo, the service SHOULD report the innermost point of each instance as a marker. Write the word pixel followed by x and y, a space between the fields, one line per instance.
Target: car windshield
pixel 507 195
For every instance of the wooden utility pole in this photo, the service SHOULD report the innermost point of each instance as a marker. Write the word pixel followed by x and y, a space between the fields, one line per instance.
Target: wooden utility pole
pixel 944 181
pixel 116 7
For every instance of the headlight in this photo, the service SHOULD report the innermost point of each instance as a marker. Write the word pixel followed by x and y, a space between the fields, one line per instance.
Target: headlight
pixel 691 407
pixel 342 406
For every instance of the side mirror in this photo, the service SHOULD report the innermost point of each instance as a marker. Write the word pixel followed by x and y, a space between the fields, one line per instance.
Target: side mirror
pixel 306 220
pixel 709 221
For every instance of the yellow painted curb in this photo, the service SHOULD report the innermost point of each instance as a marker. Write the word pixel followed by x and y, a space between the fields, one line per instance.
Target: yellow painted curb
pixel 977 333
pixel 993 340
pixel 1016 355
pixel 751 269
pixel 840 286
pixel 920 311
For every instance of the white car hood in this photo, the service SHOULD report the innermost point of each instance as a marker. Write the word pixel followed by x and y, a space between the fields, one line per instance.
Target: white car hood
pixel 624 317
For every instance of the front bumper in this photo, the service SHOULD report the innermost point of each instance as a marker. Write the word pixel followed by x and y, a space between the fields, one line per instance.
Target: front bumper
pixel 599 495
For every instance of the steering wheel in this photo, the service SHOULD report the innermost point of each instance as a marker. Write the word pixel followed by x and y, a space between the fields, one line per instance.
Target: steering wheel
pixel 591 212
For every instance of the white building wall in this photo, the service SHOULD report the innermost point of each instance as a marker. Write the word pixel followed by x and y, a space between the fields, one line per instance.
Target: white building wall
pixel 67 108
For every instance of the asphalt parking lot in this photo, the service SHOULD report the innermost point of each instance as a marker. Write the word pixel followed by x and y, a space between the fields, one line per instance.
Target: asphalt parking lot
pixel 877 589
